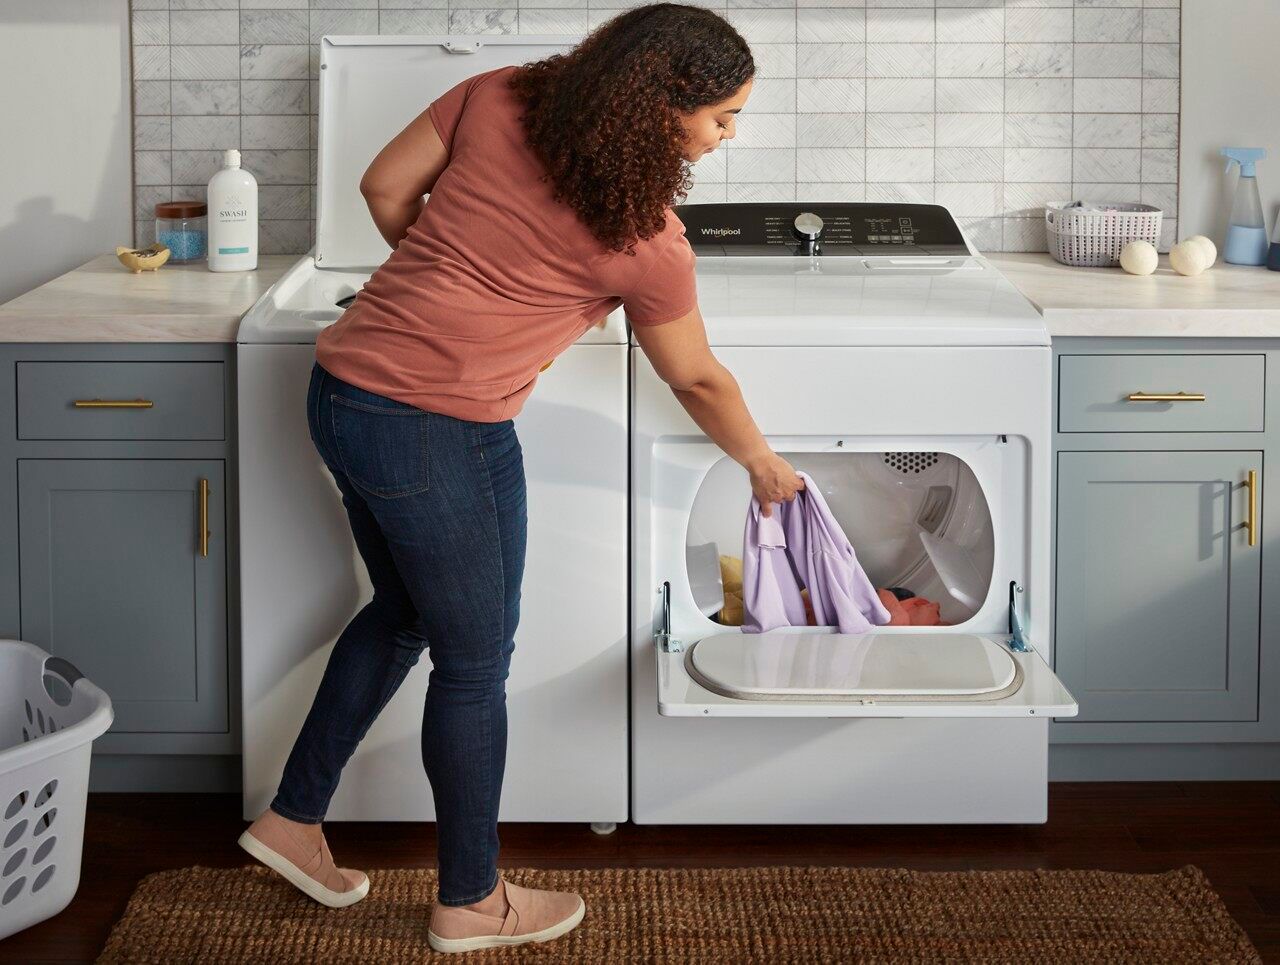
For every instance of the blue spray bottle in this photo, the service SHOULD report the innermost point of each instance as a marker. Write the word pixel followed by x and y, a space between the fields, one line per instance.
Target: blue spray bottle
pixel 1246 232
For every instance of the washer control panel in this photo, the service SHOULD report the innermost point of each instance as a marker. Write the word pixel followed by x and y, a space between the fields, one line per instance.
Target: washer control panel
pixel 820 229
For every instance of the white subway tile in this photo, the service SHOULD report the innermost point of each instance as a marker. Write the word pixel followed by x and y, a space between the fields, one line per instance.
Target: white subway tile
pixel 1160 130
pixel 1110 95
pixel 900 60
pixel 1036 25
pixel 900 130
pixel 969 26
pixel 825 95
pixel 830 25
pixel 970 94
pixel 1037 130
pixel 969 60
pixel 1108 26
pixel 899 94
pixel 830 60
pixel 1108 130
pixel 900 164
pixel 838 164
pixel 1108 60
pixel 831 130
pixel 1037 164
pixel 969 130
pixel 1037 94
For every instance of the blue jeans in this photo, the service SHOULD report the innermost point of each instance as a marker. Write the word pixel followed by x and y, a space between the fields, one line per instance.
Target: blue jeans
pixel 437 510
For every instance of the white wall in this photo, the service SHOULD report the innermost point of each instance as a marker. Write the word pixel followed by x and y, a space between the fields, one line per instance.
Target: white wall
pixel 65 157
pixel 1229 89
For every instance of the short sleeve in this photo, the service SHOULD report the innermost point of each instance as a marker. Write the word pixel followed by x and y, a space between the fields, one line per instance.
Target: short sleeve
pixel 668 289
pixel 446 110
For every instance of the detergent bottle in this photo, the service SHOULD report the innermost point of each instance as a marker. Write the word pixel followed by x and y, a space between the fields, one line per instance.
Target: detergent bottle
pixel 1247 232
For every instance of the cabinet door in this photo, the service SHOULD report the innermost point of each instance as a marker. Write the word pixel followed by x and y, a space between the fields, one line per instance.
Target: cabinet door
pixel 1157 601
pixel 113 579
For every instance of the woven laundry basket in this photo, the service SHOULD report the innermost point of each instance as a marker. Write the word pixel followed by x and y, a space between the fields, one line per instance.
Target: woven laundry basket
pixel 1094 239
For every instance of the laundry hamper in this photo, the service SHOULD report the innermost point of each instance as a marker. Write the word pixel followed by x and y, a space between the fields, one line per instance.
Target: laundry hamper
pixel 50 714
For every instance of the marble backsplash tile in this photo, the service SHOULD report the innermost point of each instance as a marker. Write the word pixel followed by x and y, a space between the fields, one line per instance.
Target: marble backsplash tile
pixel 991 107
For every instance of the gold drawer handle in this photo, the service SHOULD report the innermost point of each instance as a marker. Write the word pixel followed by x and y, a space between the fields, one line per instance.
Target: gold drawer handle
pixel 1166 396
pixel 1251 521
pixel 204 517
pixel 113 403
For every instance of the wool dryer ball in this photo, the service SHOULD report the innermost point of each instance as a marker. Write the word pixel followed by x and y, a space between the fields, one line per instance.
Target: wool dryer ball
pixel 1188 257
pixel 1210 249
pixel 1139 258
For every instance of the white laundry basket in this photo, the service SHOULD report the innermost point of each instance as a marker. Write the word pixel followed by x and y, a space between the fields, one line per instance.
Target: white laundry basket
pixel 50 714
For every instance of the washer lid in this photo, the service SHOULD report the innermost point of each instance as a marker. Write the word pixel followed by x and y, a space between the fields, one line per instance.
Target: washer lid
pixel 370 88
pixel 833 666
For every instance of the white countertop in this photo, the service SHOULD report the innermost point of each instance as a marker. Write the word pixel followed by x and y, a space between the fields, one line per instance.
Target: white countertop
pixel 1225 301
pixel 103 302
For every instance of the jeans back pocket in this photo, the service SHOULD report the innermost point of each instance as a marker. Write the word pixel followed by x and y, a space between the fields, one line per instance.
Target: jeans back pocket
pixel 383 449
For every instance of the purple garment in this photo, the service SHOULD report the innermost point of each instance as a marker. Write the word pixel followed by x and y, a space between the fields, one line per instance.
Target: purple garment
pixel 802 546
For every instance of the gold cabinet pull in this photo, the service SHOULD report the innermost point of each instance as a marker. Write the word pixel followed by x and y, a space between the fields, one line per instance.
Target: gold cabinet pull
pixel 113 403
pixel 1141 396
pixel 204 517
pixel 1251 521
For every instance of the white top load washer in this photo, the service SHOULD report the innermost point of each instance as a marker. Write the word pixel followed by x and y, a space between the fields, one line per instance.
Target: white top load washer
pixel 883 356
pixel 301 577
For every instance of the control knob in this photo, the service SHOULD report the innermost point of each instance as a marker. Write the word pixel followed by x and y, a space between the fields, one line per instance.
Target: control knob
pixel 808 226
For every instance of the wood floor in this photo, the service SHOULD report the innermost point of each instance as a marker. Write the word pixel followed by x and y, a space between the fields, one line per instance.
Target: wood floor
pixel 1231 831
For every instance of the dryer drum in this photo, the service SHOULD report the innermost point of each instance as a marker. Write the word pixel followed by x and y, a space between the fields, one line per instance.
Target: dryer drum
pixel 918 520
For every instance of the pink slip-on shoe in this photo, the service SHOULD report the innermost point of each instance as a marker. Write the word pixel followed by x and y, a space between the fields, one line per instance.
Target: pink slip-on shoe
pixel 273 841
pixel 532 916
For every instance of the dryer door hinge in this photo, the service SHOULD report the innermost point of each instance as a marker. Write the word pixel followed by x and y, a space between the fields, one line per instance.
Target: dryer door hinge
pixel 1017 623
pixel 663 638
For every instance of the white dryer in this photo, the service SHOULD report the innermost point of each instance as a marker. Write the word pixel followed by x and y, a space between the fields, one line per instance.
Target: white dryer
pixel 301 578
pixel 883 356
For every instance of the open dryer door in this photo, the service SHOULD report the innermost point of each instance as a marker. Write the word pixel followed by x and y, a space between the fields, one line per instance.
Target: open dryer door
pixel 920 520
pixel 804 672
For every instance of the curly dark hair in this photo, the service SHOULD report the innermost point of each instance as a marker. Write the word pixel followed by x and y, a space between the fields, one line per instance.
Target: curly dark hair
pixel 602 117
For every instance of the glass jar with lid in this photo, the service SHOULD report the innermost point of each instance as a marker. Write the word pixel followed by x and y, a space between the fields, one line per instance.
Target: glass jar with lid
pixel 182 227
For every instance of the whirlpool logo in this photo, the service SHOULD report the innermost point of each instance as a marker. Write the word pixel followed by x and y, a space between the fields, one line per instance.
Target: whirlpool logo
pixel 721 232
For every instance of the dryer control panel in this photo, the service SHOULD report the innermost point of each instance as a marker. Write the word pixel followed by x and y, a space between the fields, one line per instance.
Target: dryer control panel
pixel 821 229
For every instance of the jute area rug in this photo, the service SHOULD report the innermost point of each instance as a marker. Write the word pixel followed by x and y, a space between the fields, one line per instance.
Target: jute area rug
pixel 782 914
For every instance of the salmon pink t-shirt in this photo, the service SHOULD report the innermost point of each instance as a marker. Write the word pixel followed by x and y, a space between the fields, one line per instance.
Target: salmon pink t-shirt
pixel 495 279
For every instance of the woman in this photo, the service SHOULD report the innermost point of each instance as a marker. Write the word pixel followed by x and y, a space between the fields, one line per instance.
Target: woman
pixel 550 188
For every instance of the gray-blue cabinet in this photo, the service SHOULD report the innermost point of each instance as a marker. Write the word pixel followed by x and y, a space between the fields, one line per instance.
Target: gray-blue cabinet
pixel 111 455
pixel 1166 604
pixel 123 572
pixel 1158 587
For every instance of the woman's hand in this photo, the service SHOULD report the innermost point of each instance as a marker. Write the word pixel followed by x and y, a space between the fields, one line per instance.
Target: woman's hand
pixel 773 481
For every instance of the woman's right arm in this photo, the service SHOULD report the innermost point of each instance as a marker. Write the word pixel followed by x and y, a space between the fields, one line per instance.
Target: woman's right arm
pixel 403 171
pixel 679 353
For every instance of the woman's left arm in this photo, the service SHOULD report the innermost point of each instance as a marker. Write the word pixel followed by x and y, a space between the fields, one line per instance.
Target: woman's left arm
pixel 403 171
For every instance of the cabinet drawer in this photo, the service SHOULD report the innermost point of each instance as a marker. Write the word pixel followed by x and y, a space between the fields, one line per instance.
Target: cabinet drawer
pixel 186 400
pixel 1093 393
